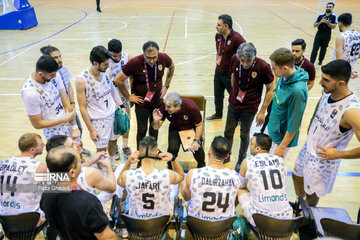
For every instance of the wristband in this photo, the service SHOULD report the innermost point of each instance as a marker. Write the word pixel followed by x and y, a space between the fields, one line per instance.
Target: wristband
pixel 198 141
pixel 167 86
pixel 73 127
pixel 72 102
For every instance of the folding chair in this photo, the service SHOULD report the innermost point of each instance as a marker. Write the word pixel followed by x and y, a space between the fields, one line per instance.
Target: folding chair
pixel 203 230
pixel 270 228
pixel 150 229
pixel 22 226
pixel 313 215
pixel 201 103
pixel 338 229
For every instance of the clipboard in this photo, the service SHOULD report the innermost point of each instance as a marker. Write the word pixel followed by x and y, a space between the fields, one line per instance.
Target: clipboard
pixel 187 138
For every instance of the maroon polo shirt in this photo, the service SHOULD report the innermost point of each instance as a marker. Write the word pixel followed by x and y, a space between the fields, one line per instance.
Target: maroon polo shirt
pixel 260 74
pixel 233 41
pixel 186 118
pixel 135 68
pixel 307 66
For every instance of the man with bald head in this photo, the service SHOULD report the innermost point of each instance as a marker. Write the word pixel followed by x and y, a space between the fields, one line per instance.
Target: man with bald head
pixel 74 214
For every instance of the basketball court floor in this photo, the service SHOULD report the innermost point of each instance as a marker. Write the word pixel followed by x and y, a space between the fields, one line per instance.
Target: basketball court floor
pixel 185 31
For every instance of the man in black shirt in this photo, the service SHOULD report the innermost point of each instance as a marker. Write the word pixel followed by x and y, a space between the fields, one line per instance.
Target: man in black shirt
pixel 325 23
pixel 74 214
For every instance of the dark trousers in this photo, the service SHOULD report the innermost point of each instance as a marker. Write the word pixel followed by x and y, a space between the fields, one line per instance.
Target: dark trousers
pixel 267 117
pixel 97 4
pixel 321 41
pixel 222 81
pixel 143 118
pixel 174 145
pixel 232 120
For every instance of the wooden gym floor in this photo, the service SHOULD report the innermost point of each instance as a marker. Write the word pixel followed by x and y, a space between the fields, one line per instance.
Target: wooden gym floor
pixel 185 31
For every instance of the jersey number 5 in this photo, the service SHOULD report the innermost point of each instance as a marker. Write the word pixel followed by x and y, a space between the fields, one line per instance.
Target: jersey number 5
pixel 148 200
pixel 215 200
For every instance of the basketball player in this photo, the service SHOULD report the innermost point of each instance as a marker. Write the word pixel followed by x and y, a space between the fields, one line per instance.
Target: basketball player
pixel 211 190
pixel 19 170
pixel 63 76
pixel 266 174
pixel 117 62
pixel 148 187
pixel 45 101
pixel 94 93
pixel 90 178
pixel 336 120
pixel 347 44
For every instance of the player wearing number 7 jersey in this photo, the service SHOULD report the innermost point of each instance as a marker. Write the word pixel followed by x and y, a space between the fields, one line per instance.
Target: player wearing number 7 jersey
pixel 212 190
pixel 347 44
pixel 335 121
pixel 266 174
pixel 148 187
pixel 94 90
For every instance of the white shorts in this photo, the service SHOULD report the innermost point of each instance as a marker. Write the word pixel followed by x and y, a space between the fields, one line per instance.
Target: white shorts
pixel 274 146
pixel 61 129
pixel 319 176
pixel 104 127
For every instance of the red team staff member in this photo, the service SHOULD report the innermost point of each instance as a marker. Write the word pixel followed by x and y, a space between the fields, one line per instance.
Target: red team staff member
pixel 298 48
pixel 147 70
pixel 227 42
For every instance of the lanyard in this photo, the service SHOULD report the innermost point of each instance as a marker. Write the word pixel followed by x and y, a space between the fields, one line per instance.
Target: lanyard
pixel 302 63
pixel 220 53
pixel 248 80
pixel 147 76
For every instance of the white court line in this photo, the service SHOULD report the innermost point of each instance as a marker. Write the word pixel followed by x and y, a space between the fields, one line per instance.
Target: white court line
pixel 21 53
pixel 195 59
pixel 112 30
pixel 300 5
pixel 10 94
pixel 186 34
pixel 145 17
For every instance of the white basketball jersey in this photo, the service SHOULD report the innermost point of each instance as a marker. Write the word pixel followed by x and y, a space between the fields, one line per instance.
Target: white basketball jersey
pixel 213 193
pixel 99 99
pixel 43 99
pixel 266 174
pixel 351 48
pixel 19 171
pixel 82 183
pixel 115 68
pixel 149 195
pixel 325 126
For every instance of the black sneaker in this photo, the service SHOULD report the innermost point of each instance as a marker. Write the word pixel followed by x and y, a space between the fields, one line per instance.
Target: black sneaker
pixel 320 63
pixel 98 9
pixel 214 117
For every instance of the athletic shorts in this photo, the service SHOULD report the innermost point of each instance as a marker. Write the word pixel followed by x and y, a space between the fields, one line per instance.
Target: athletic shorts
pixel 104 127
pixel 319 176
pixel 61 129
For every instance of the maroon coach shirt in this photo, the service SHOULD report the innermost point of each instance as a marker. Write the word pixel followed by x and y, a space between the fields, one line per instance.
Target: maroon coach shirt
pixel 135 68
pixel 308 67
pixel 186 118
pixel 227 49
pixel 259 75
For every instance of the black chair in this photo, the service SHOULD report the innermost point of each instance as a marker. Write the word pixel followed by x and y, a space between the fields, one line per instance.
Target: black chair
pixel 270 228
pixel 202 230
pixel 338 229
pixel 312 227
pixel 150 229
pixel 22 226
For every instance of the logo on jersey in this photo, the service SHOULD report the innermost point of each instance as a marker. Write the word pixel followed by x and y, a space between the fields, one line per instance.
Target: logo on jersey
pixel 186 117
pixel 254 74
pixel 160 67
pixel 333 114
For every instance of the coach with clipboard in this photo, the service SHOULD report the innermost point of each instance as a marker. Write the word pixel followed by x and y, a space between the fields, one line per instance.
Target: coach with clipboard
pixel 186 125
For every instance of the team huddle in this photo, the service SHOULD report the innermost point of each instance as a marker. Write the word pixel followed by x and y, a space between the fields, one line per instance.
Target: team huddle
pixel 115 82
